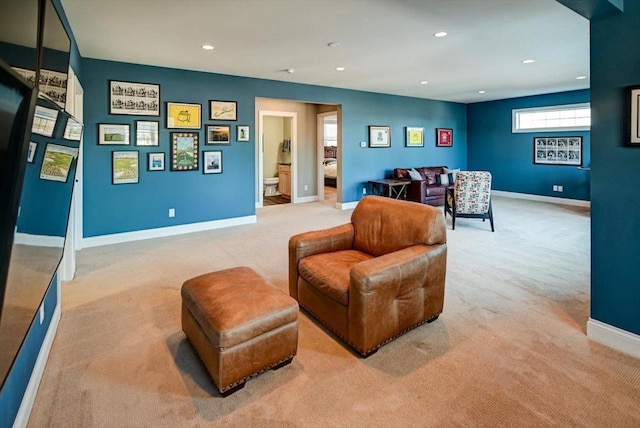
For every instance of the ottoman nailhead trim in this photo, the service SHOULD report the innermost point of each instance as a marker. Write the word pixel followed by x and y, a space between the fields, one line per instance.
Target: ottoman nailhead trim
pixel 264 369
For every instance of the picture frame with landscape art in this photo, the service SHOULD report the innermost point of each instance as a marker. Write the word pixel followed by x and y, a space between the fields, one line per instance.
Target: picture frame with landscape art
pixel 147 133
pixel 184 116
pixel 155 161
pixel 557 150
pixel 56 162
pixel 379 136
pixel 133 98
pixel 184 151
pixel 223 110
pixel 414 137
pixel 218 135
pixel 113 134
pixel 125 167
pixel 212 162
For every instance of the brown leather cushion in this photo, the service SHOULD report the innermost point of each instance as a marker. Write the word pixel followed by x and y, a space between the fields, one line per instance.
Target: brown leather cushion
pixel 236 305
pixel 382 225
pixel 329 273
pixel 438 190
pixel 430 173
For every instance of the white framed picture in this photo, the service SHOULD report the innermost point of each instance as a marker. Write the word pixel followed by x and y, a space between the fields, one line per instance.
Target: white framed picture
pixel 155 161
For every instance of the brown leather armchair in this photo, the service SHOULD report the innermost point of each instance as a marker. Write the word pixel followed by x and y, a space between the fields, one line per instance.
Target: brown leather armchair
pixel 373 279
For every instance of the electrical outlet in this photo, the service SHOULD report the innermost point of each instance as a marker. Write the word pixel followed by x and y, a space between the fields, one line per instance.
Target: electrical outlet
pixel 555 187
pixel 172 212
pixel 364 190
pixel 560 188
pixel 306 187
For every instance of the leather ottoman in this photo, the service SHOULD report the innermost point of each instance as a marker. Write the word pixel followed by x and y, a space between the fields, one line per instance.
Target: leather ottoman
pixel 239 325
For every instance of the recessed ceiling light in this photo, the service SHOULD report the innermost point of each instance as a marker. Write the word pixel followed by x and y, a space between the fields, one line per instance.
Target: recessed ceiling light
pixel 581 77
pixel 528 61
pixel 440 34
pixel 207 47
pixel 424 82
pixel 340 68
pixel 290 70
pixel 333 44
pixel 482 92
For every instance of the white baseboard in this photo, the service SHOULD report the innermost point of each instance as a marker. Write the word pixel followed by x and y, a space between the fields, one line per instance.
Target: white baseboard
pixel 39 240
pixel 539 198
pixel 346 205
pixel 305 199
pixel 22 418
pixel 614 337
pixel 160 232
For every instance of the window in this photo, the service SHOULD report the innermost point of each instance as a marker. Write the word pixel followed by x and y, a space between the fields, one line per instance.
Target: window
pixel 574 117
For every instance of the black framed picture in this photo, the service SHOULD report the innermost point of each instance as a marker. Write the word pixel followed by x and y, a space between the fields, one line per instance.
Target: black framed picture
pixel 147 133
pixel 126 169
pixel 379 136
pixel 223 110
pixel 212 162
pixel 184 151
pixel 155 161
pixel 134 98
pixel 557 151
pixel 218 134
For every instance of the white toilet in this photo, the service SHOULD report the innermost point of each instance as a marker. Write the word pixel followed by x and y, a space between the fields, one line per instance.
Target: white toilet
pixel 271 186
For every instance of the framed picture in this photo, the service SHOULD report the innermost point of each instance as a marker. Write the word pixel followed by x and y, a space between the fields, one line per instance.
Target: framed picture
pixel 125 167
pixel 134 98
pixel 557 151
pixel 242 132
pixel 32 151
pixel 72 130
pixel 185 116
pixel 379 136
pixel 444 137
pixel 223 110
pixel 57 162
pixel 184 151
pixel 44 121
pixel 633 114
pixel 218 134
pixel 414 137
pixel 155 161
pixel 147 132
pixel 212 162
pixel 113 134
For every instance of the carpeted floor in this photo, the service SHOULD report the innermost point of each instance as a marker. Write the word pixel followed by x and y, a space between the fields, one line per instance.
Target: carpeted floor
pixel 509 349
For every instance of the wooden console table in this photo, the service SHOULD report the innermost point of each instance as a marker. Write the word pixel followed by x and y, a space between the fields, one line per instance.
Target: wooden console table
pixel 390 187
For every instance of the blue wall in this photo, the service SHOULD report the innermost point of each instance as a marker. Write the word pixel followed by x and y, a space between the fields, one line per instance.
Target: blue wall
pixel 509 156
pixel 615 174
pixel 196 197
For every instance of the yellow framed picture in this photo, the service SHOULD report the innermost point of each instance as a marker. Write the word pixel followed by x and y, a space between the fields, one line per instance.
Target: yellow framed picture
pixel 414 137
pixel 184 116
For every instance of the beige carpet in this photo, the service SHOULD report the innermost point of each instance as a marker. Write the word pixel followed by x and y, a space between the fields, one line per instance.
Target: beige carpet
pixel 509 350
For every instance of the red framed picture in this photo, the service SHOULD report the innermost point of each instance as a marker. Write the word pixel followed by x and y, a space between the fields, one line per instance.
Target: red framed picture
pixel 444 137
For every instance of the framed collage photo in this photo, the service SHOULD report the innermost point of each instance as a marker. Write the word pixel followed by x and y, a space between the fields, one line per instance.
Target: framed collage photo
pixel 223 110
pixel 126 168
pixel 184 151
pixel 212 162
pixel 218 134
pixel 414 137
pixel 116 134
pixel 557 151
pixel 134 98
pixel 184 116
pixel 242 133
pixel 444 137
pixel 379 136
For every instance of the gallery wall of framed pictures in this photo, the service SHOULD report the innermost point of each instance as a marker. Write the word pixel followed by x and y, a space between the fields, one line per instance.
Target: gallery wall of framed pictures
pixel 183 120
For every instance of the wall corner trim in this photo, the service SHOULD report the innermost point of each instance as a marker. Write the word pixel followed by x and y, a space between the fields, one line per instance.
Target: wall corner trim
pixel 614 337
pixel 117 238
pixel 22 418
pixel 539 198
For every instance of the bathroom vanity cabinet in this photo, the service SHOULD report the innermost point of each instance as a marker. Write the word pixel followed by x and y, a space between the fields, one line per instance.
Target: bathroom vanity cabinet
pixel 284 185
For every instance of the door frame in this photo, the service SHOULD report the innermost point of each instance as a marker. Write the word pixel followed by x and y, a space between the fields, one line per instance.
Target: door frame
pixel 260 156
pixel 320 155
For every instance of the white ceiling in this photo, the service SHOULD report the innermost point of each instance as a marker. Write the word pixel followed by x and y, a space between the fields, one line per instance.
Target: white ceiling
pixel 386 46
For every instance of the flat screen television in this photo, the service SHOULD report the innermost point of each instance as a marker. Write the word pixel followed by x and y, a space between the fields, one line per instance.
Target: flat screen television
pixel 39 143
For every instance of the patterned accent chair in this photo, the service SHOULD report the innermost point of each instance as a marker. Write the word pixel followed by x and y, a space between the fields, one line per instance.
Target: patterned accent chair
pixel 470 197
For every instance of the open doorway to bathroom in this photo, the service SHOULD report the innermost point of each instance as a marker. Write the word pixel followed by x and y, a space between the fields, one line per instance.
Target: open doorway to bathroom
pixel 277 151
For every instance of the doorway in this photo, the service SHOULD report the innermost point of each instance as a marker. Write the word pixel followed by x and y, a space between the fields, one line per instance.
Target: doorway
pixel 328 170
pixel 277 170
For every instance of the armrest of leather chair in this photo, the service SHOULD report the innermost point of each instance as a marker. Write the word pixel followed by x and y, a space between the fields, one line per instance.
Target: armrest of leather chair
pixel 384 295
pixel 416 191
pixel 315 242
